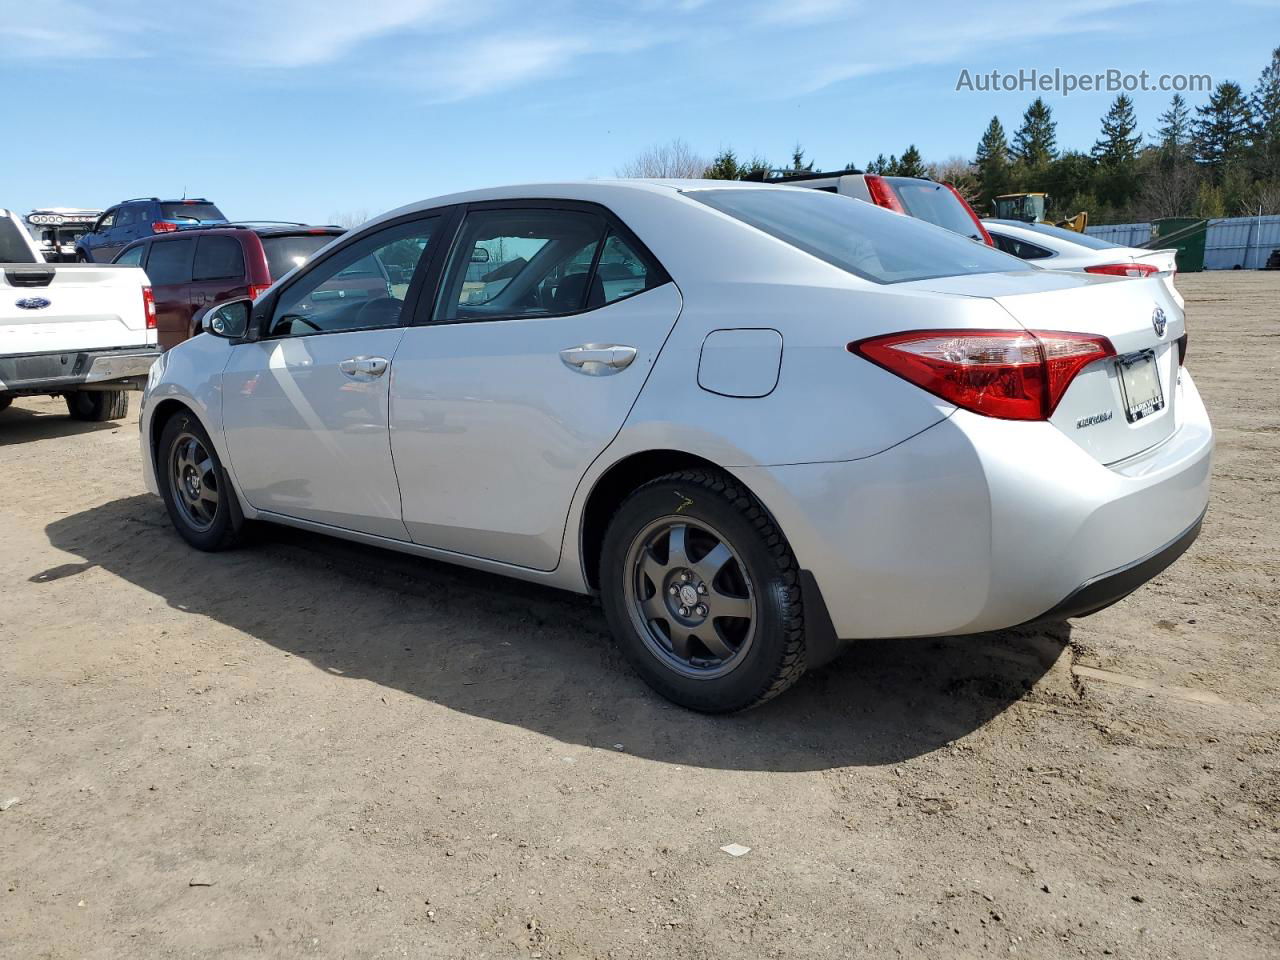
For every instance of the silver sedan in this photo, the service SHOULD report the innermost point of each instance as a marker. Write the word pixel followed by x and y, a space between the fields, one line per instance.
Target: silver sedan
pixel 758 421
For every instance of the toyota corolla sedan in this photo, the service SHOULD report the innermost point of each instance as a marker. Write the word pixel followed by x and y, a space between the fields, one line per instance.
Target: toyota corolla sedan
pixel 758 421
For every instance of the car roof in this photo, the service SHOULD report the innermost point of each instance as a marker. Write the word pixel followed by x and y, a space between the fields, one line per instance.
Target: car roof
pixel 586 190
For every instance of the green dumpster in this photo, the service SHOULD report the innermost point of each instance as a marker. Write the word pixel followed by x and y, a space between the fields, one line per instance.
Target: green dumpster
pixel 1184 234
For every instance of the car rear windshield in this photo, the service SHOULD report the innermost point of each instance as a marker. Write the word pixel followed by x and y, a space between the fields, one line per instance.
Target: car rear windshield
pixel 931 201
pixel 855 236
pixel 13 249
pixel 1049 230
pixel 193 210
pixel 285 253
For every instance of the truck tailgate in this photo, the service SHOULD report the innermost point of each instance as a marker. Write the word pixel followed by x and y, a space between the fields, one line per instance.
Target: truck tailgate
pixel 62 308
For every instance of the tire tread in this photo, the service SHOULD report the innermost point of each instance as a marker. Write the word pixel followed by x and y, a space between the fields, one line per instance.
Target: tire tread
pixel 792 665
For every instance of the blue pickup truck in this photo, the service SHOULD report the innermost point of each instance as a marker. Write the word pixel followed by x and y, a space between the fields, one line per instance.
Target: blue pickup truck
pixel 133 219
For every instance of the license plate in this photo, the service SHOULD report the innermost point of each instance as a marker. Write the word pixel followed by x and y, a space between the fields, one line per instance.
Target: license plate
pixel 1140 385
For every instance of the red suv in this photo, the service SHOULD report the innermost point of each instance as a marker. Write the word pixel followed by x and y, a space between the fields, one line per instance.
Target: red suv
pixel 192 270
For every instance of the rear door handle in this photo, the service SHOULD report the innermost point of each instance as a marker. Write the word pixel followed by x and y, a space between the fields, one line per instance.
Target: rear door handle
pixel 598 359
pixel 363 368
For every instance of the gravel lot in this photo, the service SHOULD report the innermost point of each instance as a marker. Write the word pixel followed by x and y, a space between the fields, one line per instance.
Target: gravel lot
pixel 311 748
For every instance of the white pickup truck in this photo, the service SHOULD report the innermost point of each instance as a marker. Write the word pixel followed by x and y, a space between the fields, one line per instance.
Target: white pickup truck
pixel 85 332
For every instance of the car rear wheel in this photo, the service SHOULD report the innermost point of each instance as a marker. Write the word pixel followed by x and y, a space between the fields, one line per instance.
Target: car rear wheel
pixel 703 594
pixel 197 494
pixel 4 403
pixel 96 406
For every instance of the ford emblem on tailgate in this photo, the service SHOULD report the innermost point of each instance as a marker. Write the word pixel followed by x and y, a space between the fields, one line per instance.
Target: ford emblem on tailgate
pixel 1158 321
pixel 32 303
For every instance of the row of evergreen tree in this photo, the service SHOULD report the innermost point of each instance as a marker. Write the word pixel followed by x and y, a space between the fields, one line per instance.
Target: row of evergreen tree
pixel 1221 158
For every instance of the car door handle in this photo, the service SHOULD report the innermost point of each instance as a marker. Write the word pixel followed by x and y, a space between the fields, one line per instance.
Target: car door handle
pixel 363 368
pixel 598 359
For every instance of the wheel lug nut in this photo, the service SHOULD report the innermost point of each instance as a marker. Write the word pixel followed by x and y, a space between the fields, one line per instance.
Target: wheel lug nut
pixel 701 610
pixel 702 588
pixel 684 611
pixel 686 576
pixel 672 590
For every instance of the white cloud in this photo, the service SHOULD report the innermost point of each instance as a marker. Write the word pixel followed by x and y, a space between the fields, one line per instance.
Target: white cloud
pixel 459 49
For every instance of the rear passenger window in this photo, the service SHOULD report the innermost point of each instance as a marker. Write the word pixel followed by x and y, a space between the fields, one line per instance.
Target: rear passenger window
pixel 170 262
pixel 218 258
pixel 133 256
pixel 1020 248
pixel 621 270
pixel 524 262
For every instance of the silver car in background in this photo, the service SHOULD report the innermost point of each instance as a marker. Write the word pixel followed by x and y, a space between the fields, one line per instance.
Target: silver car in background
pixel 757 420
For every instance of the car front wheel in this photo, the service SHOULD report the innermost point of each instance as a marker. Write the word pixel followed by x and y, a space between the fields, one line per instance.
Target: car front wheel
pixel 197 494
pixel 702 593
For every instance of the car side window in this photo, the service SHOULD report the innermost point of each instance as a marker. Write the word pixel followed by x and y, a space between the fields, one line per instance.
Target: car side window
pixel 218 258
pixel 361 286
pixel 124 218
pixel 523 263
pixel 1020 248
pixel 622 271
pixel 106 222
pixel 133 256
pixel 169 262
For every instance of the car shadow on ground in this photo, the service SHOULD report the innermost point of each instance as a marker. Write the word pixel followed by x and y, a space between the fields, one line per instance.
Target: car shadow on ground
pixel 542 659
pixel 23 425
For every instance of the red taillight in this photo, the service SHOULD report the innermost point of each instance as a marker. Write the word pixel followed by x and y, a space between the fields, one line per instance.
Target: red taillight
pixel 977 221
pixel 162 226
pixel 258 289
pixel 149 307
pixel 882 194
pixel 1182 349
pixel 1124 269
pixel 1010 374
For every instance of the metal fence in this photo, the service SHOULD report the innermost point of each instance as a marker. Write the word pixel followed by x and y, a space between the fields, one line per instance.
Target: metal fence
pixel 1231 242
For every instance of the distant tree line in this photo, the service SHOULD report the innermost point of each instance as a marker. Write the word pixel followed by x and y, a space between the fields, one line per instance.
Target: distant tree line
pixel 1221 158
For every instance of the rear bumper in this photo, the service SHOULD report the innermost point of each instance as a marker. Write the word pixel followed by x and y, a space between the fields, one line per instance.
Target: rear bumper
pixel 1101 592
pixel 979 524
pixel 122 368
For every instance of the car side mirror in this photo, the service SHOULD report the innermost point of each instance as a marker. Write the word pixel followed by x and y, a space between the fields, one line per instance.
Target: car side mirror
pixel 229 320
pixel 479 255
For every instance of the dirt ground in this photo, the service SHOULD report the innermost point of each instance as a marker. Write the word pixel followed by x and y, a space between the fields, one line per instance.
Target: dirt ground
pixel 311 748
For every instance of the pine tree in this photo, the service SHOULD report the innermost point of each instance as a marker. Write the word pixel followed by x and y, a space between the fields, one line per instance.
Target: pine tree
pixel 911 164
pixel 725 166
pixel 1221 130
pixel 1174 134
pixel 1036 142
pixel 992 161
pixel 1265 130
pixel 1118 145
pixel 758 168
pixel 797 161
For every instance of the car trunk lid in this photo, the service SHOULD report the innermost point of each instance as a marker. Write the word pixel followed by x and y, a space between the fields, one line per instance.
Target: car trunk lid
pixel 1116 407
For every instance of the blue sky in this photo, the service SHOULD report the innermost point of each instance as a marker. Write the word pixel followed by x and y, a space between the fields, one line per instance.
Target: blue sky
pixel 304 109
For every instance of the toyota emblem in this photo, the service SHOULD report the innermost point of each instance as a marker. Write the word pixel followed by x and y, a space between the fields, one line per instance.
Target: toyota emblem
pixel 1158 321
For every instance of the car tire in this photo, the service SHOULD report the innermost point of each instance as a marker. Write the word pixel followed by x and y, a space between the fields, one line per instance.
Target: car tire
pixel 97 406
pixel 81 258
pixel 197 493
pixel 4 403
pixel 702 593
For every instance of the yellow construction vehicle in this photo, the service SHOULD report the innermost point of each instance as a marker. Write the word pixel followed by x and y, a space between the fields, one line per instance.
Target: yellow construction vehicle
pixel 1030 208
